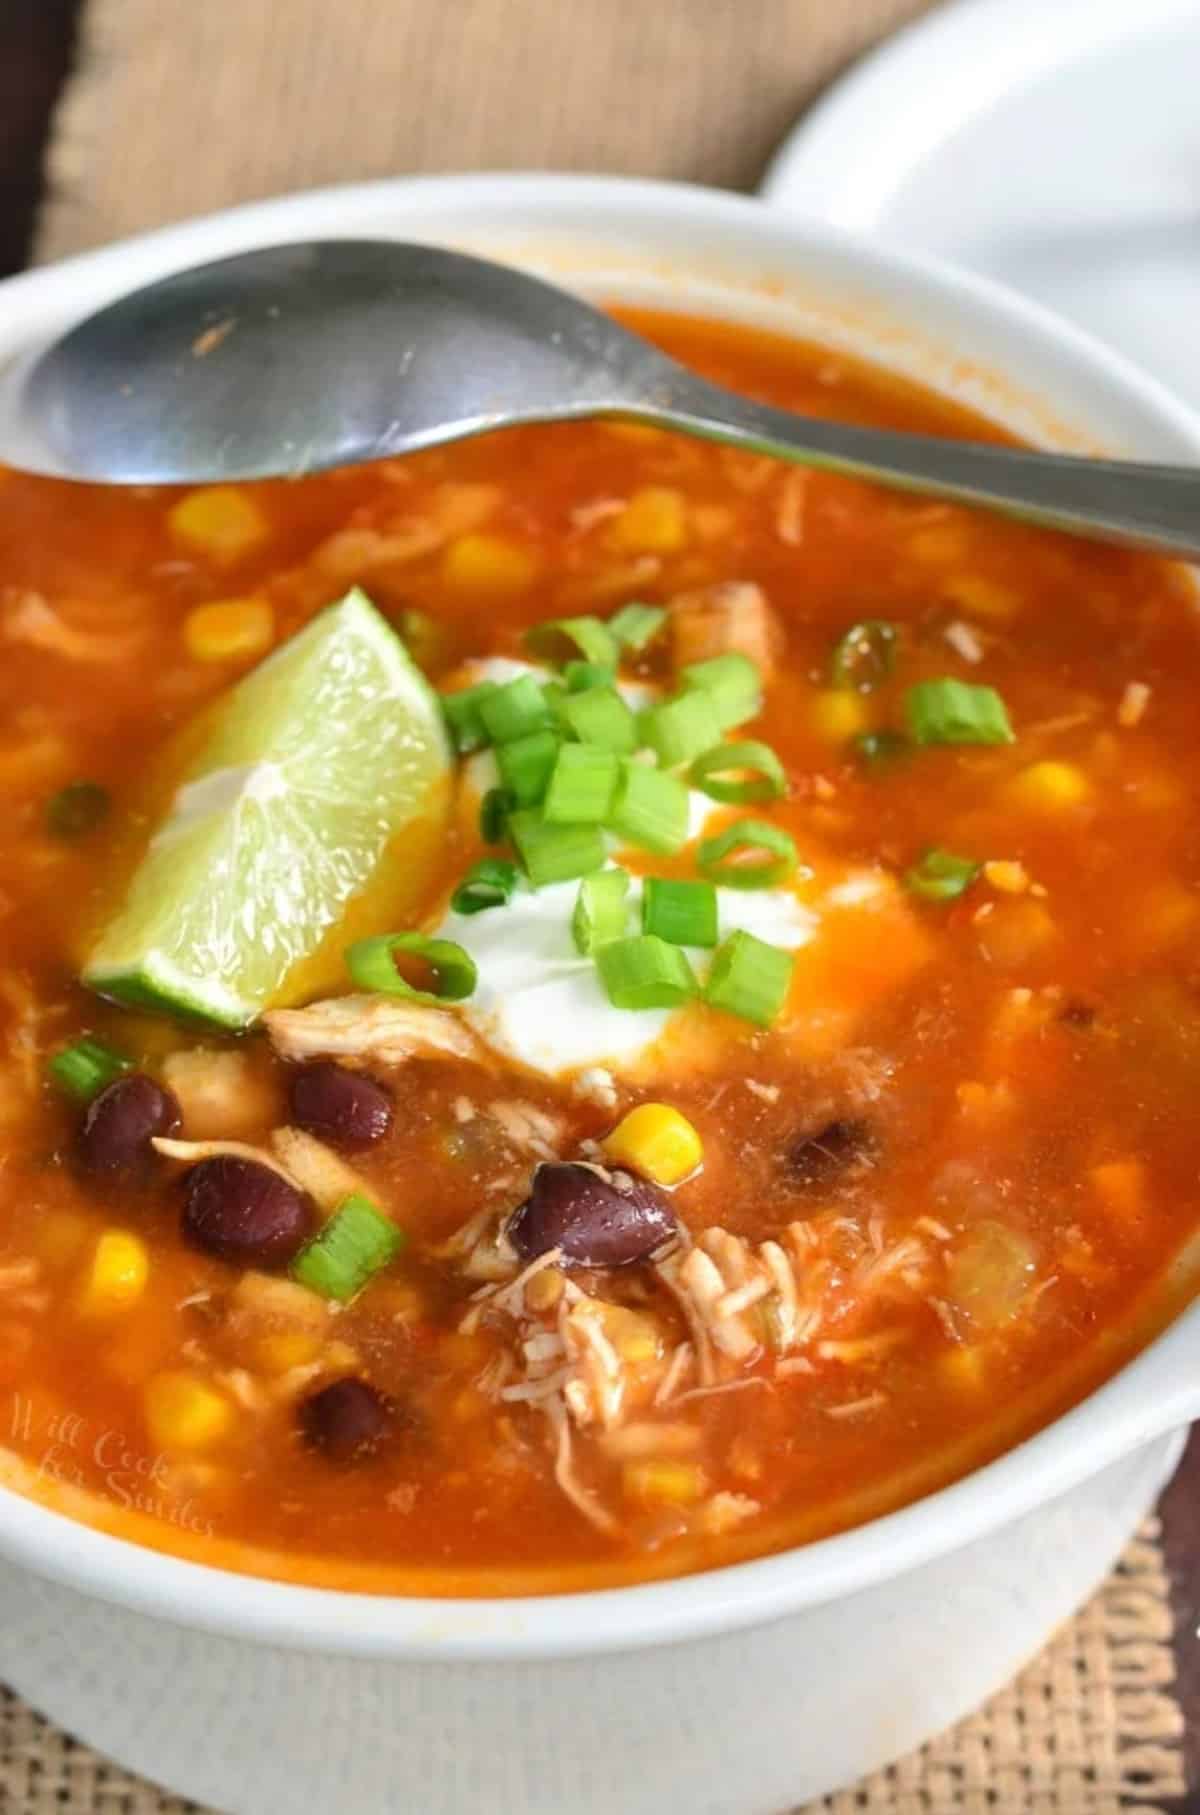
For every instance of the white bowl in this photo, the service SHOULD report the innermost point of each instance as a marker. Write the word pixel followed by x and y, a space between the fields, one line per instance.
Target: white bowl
pixel 744 1689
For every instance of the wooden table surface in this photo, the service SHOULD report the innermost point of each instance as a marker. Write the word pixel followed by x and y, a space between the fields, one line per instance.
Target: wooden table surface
pixel 36 43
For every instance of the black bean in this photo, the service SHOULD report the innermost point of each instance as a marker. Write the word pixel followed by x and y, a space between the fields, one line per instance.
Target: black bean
pixel 344 1107
pixel 346 1421
pixel 120 1122
pixel 836 1151
pixel 244 1212
pixel 596 1223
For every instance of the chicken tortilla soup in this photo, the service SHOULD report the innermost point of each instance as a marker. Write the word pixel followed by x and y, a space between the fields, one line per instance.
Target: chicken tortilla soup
pixel 580 1006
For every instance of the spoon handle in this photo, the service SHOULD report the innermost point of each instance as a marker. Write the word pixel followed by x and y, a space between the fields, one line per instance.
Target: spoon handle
pixel 1129 502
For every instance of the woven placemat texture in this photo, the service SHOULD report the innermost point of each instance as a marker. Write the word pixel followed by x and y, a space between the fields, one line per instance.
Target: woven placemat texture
pixel 177 109
pixel 1091 1728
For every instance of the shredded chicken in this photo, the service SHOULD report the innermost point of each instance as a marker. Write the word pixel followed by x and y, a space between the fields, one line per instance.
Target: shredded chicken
pixel 384 1028
pixel 28 618
pixel 733 615
pixel 317 1168
pixel 528 1127
pixel 741 1299
pixel 218 1092
pixel 192 1152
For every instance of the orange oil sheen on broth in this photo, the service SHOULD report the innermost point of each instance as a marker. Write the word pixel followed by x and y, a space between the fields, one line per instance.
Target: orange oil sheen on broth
pixel 1025 1072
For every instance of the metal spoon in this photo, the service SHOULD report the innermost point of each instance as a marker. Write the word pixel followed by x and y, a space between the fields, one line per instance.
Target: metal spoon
pixel 296 358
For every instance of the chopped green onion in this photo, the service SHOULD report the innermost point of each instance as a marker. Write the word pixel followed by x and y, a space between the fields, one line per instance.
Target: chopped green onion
pixel 682 913
pixel 561 638
pixel 461 710
pixel 582 785
pixel 84 1068
pixel 600 909
pixel 651 808
pixel 881 749
pixel 729 858
pixel 487 884
pixel 732 682
pixel 600 716
pixel 526 765
pixel 953 712
pixel 554 693
pixel 636 626
pixel 554 853
pixel 941 876
pixel 357 1242
pixel 681 728
pixel 865 656
pixel 645 972
pixel 494 810
pixel 372 965
pixel 579 676
pixel 752 772
pixel 515 709
pixel 77 809
pixel 750 978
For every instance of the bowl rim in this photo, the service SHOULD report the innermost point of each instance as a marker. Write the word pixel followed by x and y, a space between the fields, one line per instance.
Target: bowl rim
pixel 1150 1394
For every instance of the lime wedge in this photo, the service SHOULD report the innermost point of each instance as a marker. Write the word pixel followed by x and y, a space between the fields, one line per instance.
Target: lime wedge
pixel 315 763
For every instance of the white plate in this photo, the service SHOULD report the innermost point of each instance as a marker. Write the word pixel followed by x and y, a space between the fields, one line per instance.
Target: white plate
pixel 1054 144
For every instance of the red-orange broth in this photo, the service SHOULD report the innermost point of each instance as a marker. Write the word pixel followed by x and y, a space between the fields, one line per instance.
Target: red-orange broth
pixel 978 1155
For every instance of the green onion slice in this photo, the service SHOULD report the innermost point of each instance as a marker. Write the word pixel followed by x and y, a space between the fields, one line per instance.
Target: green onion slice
pixel 600 909
pixel 681 728
pixel 865 656
pixel 651 809
pixel 554 853
pixel 526 765
pixel 749 854
pixel 487 884
pixel 600 716
pixel 372 965
pixel 881 749
pixel 579 676
pixel 645 972
pixel 635 626
pixel 357 1242
pixel 582 786
pixel 732 682
pixel 494 810
pixel 750 978
pixel 461 712
pixel 77 809
pixel 561 639
pixel 682 913
pixel 941 876
pixel 948 711
pixel 742 773
pixel 515 709
pixel 86 1067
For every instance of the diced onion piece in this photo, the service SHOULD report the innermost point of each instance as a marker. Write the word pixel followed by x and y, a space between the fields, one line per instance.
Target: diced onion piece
pixel 733 684
pixel 645 972
pixel 742 773
pixel 356 1243
pixel 865 656
pixel 554 853
pixel 729 858
pixel 487 884
pixel 582 786
pixel 681 912
pixel 990 1274
pixel 941 876
pixel 560 639
pixel 600 716
pixel 651 809
pixel 600 910
pixel 526 765
pixel 635 626
pixel 514 710
pixel 372 966
pixel 948 711
pixel 681 728
pixel 84 1068
pixel 750 978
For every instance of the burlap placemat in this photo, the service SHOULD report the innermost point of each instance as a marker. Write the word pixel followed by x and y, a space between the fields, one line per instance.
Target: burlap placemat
pixel 178 108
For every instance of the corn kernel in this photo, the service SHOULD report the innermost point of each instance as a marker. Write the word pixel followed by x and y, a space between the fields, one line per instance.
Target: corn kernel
pixel 118 1274
pixel 283 1350
pixel 220 521
pixel 655 1140
pixel 228 629
pixel 654 522
pixel 839 715
pixel 663 1483
pixel 1050 787
pixel 1120 1186
pixel 964 1368
pixel 487 564
pixel 183 1413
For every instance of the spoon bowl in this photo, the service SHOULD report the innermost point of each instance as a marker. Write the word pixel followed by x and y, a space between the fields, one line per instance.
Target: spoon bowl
pixel 295 358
